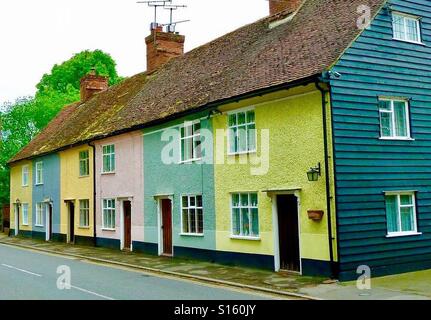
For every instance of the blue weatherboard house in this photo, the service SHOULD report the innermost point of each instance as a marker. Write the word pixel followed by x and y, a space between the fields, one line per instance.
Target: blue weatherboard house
pixel 381 114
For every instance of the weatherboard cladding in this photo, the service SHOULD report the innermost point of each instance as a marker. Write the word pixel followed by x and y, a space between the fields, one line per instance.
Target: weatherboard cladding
pixel 376 65
pixel 249 59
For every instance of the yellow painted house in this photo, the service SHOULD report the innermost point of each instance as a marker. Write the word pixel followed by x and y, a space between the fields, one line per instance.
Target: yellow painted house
pixel 266 207
pixel 21 198
pixel 77 194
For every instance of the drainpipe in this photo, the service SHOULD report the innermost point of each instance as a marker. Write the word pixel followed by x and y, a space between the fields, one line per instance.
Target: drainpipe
pixel 94 194
pixel 323 91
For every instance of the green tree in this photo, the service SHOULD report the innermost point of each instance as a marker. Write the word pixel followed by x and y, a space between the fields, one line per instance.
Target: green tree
pixel 22 120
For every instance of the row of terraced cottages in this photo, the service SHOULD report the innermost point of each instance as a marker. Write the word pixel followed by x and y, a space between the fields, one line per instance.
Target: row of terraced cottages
pixel 300 142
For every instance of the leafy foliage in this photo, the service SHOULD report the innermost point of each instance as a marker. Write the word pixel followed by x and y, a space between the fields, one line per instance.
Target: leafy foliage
pixel 22 120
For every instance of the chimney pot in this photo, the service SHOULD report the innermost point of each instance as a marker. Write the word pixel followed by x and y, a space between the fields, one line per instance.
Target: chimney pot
pixel 277 6
pixel 162 47
pixel 92 84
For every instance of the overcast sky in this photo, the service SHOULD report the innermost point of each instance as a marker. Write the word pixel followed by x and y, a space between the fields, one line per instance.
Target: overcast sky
pixel 35 35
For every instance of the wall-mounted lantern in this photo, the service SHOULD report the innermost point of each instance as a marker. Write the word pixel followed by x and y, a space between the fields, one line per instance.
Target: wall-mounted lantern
pixel 18 202
pixel 314 173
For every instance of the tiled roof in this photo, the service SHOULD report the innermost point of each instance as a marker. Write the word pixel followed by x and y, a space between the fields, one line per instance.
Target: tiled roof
pixel 251 58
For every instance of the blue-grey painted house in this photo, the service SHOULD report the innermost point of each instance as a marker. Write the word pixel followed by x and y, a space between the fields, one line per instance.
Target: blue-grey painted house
pixel 381 111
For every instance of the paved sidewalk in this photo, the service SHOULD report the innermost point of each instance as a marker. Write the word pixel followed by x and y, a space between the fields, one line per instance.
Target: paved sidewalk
pixel 301 287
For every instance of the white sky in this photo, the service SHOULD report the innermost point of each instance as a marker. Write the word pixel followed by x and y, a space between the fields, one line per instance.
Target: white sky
pixel 36 34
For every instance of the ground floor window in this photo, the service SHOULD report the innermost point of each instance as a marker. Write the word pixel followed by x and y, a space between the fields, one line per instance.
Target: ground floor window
pixel 192 215
pixel 84 213
pixel 401 213
pixel 109 214
pixel 39 214
pixel 245 215
pixel 25 214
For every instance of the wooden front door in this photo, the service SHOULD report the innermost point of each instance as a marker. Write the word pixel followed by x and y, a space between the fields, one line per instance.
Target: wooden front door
pixel 127 209
pixel 17 213
pixel 167 226
pixel 49 222
pixel 71 222
pixel 288 230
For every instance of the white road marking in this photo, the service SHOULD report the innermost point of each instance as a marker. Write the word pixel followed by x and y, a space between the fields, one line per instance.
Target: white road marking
pixel 93 293
pixel 22 270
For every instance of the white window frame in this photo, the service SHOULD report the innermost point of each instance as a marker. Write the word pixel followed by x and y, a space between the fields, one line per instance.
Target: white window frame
pixel 405 17
pixel 195 207
pixel 86 211
pixel 246 124
pixel 112 170
pixel 24 210
pixel 112 211
pixel 39 169
pixel 25 171
pixel 249 207
pixel 86 161
pixel 398 194
pixel 393 123
pixel 194 137
pixel 39 214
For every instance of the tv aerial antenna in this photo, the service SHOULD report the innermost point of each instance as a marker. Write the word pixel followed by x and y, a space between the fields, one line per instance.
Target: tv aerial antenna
pixel 156 4
pixel 172 24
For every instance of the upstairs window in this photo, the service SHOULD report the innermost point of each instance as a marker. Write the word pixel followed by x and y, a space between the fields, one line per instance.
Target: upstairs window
pixel 401 213
pixel 84 163
pixel 108 159
pixel 406 28
pixel 39 173
pixel 191 142
pixel 394 119
pixel 192 215
pixel 25 175
pixel 242 132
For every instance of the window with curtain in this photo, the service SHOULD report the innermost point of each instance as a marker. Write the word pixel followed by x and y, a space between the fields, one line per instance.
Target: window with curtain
pixel 84 213
pixel 25 174
pixel 109 159
pixel 394 119
pixel 39 173
pixel 401 213
pixel 192 215
pixel 84 163
pixel 39 214
pixel 109 214
pixel 25 214
pixel 245 215
pixel 406 27
pixel 242 132
pixel 191 142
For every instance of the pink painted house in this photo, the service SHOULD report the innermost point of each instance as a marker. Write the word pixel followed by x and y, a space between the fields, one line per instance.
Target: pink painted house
pixel 119 191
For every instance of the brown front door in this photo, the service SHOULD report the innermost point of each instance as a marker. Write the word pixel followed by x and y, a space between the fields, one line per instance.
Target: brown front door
pixel 50 222
pixel 167 226
pixel 288 230
pixel 127 209
pixel 71 222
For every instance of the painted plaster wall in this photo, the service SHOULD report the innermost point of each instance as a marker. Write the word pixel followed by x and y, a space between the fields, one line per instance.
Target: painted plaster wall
pixel 50 189
pixel 177 180
pixel 295 145
pixel 23 193
pixel 125 183
pixel 74 187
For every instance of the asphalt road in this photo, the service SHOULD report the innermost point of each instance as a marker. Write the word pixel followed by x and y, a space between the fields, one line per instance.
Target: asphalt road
pixel 31 275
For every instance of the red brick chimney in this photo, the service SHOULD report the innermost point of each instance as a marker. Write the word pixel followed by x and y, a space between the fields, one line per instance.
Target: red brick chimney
pixel 91 84
pixel 162 47
pixel 276 6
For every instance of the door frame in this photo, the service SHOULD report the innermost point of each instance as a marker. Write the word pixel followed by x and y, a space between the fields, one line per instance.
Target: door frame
pixel 122 235
pixel 274 196
pixel 159 200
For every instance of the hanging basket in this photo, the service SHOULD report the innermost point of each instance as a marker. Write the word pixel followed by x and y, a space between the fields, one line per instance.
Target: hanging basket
pixel 315 215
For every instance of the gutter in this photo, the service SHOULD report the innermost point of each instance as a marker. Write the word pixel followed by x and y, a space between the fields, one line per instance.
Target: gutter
pixel 94 194
pixel 323 91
